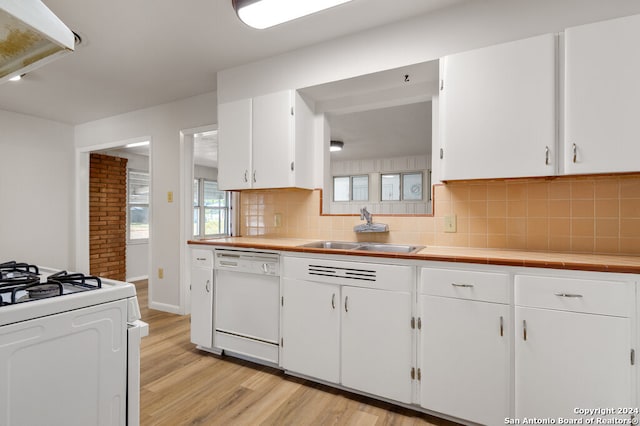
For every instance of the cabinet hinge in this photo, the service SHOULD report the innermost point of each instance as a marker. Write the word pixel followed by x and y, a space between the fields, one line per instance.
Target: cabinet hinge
pixel 413 373
pixel 442 84
pixel 633 357
pixel 419 375
pixel 413 322
pixel 419 323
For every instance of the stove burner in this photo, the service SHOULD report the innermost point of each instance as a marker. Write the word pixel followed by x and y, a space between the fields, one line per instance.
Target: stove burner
pixel 41 291
pixel 11 270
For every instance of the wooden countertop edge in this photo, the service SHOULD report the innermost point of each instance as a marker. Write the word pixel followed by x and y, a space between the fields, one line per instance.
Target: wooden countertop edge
pixel 531 263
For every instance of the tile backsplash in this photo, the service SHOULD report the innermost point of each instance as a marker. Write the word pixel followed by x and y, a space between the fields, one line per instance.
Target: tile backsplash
pixel 587 214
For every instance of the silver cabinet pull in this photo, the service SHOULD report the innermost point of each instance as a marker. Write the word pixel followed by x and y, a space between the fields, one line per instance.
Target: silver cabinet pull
pixel 346 303
pixel 462 285
pixel 524 329
pixel 207 286
pixel 333 301
pixel 265 268
pixel 201 258
pixel 575 153
pixel 246 178
pixel 568 295
pixel 546 155
pixel 501 326
pixel 254 176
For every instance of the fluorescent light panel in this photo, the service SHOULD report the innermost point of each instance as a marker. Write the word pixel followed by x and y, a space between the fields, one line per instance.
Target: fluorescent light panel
pixel 136 144
pixel 262 14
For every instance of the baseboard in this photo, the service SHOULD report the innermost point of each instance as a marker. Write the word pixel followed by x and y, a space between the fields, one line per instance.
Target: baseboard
pixel 165 307
pixel 140 278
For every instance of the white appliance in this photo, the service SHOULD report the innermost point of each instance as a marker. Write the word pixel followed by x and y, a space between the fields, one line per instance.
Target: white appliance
pixel 30 36
pixel 69 349
pixel 247 297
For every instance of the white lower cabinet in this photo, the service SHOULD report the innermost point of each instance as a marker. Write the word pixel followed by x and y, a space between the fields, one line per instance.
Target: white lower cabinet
pixel 464 350
pixel 376 342
pixel 202 297
pixel 311 329
pixel 349 323
pixel 573 347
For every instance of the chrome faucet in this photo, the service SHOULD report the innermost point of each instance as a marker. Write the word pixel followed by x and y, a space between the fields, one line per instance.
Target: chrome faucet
pixel 369 226
pixel 364 214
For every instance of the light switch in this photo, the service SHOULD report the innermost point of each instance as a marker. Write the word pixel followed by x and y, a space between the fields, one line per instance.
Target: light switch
pixel 160 273
pixel 450 224
pixel 170 197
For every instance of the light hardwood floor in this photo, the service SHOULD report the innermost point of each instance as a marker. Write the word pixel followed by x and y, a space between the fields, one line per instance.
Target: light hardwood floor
pixel 181 385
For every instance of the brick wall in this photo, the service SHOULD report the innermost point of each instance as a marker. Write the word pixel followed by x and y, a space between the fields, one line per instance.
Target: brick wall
pixel 107 216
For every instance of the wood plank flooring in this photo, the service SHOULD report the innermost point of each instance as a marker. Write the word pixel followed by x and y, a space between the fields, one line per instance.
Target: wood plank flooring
pixel 181 385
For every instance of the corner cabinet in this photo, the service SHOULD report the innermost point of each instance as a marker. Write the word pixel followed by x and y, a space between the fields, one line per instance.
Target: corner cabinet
pixel 265 142
pixel 602 88
pixel 573 346
pixel 202 297
pixel 498 111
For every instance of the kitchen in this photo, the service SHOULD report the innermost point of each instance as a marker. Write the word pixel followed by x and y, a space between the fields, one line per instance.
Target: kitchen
pixel 63 140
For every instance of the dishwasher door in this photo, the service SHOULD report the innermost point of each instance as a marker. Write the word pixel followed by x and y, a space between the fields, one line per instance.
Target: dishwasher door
pixel 247 311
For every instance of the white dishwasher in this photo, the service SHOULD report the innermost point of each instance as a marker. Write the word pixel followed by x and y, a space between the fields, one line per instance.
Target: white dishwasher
pixel 247 296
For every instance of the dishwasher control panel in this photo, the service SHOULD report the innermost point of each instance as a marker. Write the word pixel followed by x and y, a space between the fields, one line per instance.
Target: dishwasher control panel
pixel 248 261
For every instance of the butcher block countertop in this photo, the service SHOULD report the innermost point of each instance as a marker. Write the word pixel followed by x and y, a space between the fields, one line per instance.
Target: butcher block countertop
pixel 536 259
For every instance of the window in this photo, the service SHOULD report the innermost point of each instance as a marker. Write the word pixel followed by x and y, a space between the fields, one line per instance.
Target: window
pixel 401 186
pixel 138 205
pixel 351 188
pixel 210 209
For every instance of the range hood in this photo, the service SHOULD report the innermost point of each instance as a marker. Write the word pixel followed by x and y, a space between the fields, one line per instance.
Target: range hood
pixel 30 36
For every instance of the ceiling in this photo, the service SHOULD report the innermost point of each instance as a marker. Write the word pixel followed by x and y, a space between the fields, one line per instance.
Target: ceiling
pixel 136 54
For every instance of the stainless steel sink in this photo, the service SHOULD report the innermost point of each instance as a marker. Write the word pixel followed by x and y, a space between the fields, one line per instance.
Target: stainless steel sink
pixel 339 245
pixel 362 246
pixel 390 248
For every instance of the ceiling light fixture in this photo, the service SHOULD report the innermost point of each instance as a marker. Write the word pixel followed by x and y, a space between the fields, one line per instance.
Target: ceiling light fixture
pixel 136 144
pixel 336 146
pixel 17 77
pixel 263 14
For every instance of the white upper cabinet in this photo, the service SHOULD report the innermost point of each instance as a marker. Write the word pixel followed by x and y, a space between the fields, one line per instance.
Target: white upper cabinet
pixel 234 145
pixel 602 89
pixel 265 142
pixel 498 111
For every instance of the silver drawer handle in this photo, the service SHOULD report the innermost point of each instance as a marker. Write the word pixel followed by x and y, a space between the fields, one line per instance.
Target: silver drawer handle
pixel 206 286
pixel 568 295
pixel 574 148
pixel 333 301
pixel 346 303
pixel 546 155
pixel 223 263
pixel 201 258
pixel 462 285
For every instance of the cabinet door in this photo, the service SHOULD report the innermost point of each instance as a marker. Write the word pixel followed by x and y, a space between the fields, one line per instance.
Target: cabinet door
pixel 311 329
pixel 602 89
pixel 498 109
pixel 568 360
pixel 377 342
pixel 202 306
pixel 273 125
pixel 234 145
pixel 464 358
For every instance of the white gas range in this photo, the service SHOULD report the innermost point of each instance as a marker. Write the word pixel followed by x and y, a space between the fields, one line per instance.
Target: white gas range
pixel 69 348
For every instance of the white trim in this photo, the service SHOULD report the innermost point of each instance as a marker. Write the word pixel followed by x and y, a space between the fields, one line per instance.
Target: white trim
pixel 140 278
pixel 165 307
pixel 186 211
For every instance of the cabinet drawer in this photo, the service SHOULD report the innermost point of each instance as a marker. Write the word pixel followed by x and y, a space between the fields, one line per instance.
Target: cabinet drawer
pixel 576 295
pixel 485 286
pixel 202 258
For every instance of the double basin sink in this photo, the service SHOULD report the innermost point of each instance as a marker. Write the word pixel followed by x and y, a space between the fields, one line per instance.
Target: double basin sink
pixel 379 247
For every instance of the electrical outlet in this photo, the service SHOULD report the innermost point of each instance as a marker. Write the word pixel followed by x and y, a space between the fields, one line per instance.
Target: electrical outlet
pixel 450 224
pixel 277 220
pixel 170 197
pixel 161 273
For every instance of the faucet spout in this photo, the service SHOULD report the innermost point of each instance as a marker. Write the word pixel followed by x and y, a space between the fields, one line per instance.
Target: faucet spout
pixel 365 215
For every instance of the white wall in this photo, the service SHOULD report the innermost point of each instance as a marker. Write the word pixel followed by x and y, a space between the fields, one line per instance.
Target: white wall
pixel 424 38
pixel 36 190
pixel 162 124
